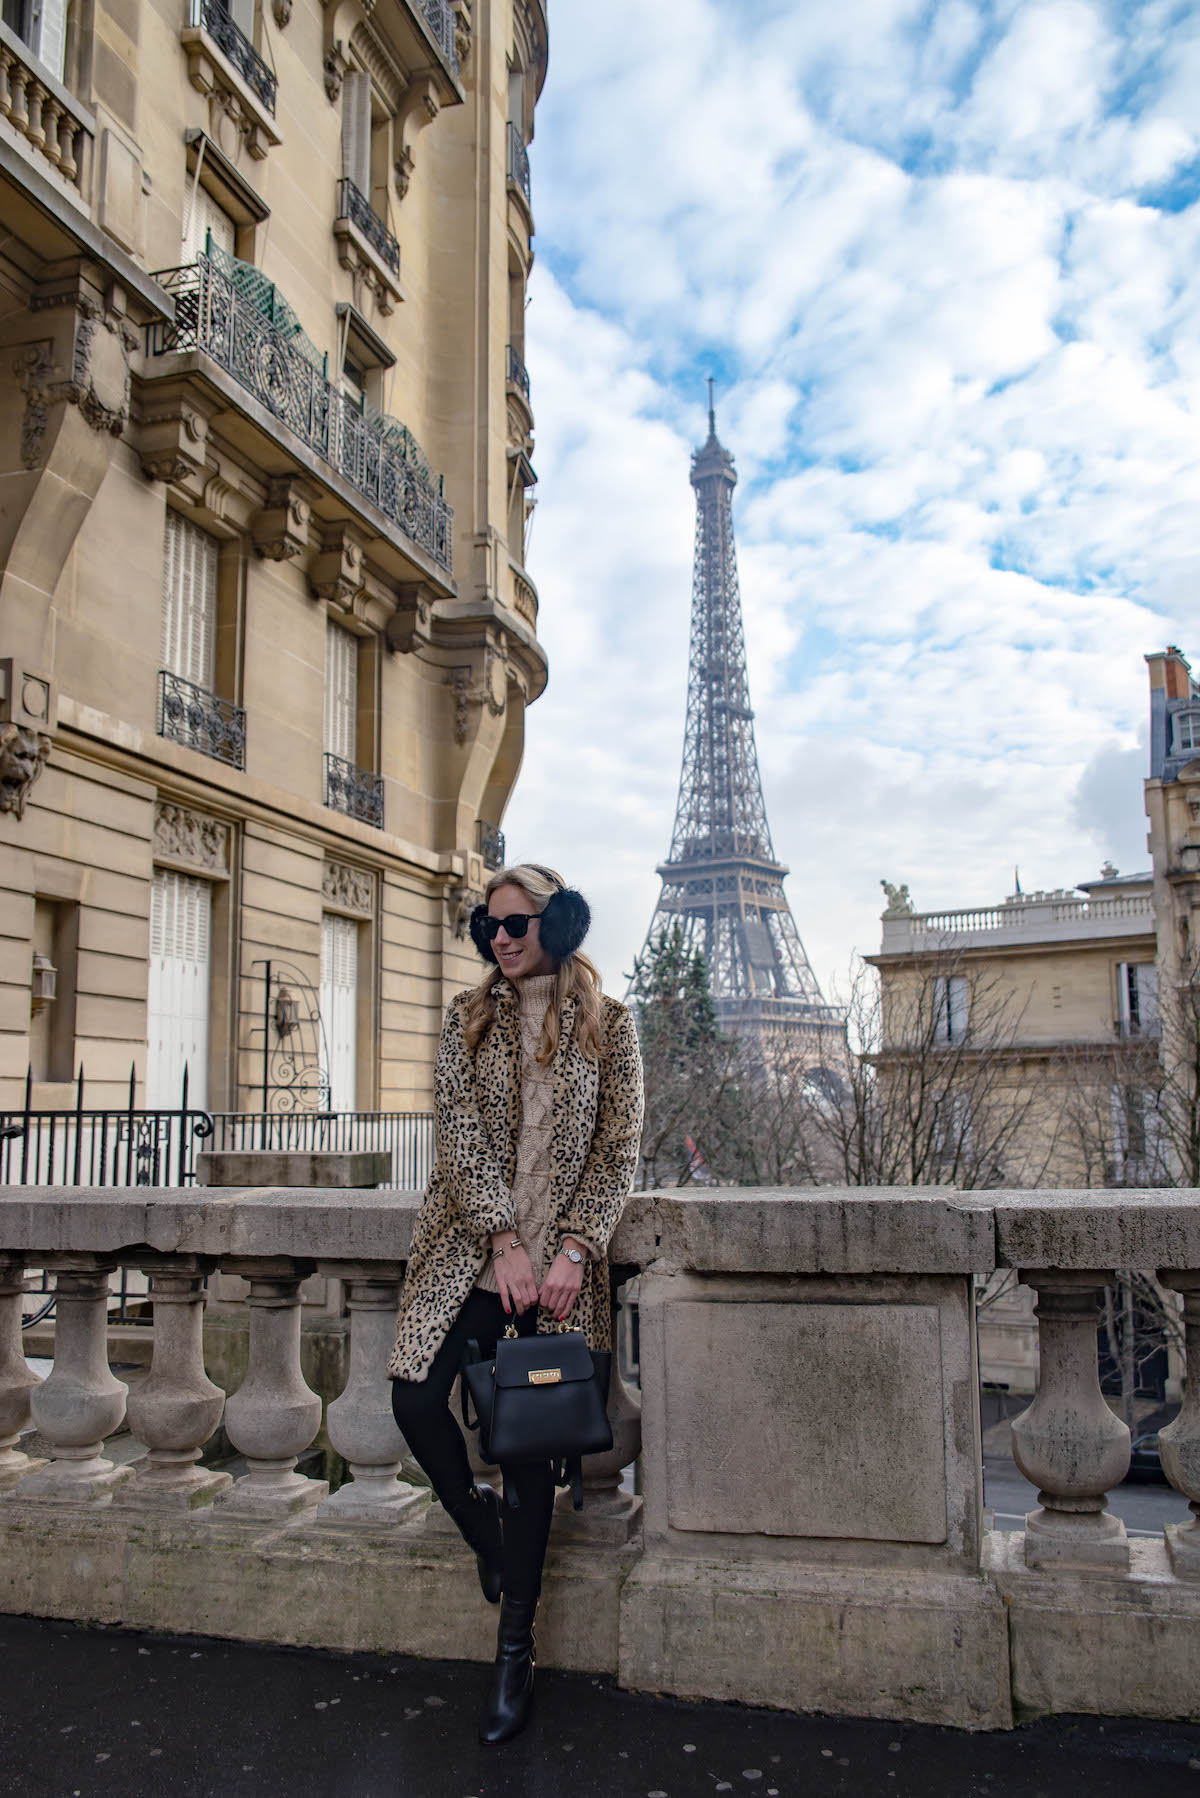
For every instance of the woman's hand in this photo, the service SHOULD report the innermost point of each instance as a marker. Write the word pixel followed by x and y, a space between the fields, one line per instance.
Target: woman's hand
pixel 561 1286
pixel 514 1275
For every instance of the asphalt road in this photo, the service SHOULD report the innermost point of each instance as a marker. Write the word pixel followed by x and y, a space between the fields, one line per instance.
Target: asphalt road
pixel 1143 1508
pixel 91 1713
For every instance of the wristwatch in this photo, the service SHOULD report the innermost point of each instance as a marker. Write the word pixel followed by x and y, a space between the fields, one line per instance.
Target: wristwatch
pixel 573 1255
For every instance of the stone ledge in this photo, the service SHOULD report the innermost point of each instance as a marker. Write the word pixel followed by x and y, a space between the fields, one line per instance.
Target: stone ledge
pixel 927 1649
pixel 1097 1229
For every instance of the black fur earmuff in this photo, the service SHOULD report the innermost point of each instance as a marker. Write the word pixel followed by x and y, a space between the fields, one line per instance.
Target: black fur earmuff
pixel 565 921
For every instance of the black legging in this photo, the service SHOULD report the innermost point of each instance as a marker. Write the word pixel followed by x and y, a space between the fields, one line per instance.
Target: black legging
pixel 422 1412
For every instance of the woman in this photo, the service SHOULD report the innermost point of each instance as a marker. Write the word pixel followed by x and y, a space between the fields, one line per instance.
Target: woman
pixel 537 1118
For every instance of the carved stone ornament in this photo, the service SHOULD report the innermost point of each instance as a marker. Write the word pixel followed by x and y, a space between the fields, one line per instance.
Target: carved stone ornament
pixel 23 755
pixel 98 382
pixel 335 66
pixel 460 903
pixel 282 12
pixel 190 837
pixel 338 573
pixel 462 30
pixel 172 437
pixel 349 889
pixel 280 531
pixel 411 625
pixel 899 905
pixel 490 692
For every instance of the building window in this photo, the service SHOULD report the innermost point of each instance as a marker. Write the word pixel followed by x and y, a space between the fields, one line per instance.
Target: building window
pixel 206 221
pixel 189 609
pixel 949 1008
pixel 1137 998
pixel 341 692
pixel 1186 728
pixel 178 1000
pixel 339 1009
pixel 42 24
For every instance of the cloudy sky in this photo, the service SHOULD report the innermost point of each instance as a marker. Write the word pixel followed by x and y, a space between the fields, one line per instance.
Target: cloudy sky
pixel 942 260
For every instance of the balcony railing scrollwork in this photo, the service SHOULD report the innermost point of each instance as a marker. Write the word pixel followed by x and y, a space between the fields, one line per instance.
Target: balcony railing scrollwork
pixel 354 205
pixel 250 333
pixel 192 715
pixel 518 160
pixel 517 372
pixel 439 16
pixel 355 791
pixel 213 17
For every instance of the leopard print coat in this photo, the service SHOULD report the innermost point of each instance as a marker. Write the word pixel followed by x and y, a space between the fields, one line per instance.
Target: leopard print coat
pixel 597 1112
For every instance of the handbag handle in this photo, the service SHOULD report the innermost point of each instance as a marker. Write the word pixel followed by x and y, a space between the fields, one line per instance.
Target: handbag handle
pixel 472 1354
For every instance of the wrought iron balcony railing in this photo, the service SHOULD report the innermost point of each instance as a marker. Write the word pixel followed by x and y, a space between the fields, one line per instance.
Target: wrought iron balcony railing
pixel 230 311
pixel 518 374
pixel 489 841
pixel 192 715
pixel 518 160
pixel 353 205
pixel 439 16
pixel 214 18
pixel 355 791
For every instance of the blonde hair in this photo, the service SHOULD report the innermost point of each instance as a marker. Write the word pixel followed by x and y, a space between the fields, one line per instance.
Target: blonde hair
pixel 576 977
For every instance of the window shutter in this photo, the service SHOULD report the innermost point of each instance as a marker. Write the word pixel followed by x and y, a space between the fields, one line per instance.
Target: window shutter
pixel 48 37
pixel 339 1009
pixel 356 130
pixel 242 14
pixel 205 216
pixel 957 985
pixel 178 997
pixel 189 618
pixel 341 692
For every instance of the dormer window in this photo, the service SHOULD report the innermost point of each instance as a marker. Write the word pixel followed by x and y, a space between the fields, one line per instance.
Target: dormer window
pixel 1186 729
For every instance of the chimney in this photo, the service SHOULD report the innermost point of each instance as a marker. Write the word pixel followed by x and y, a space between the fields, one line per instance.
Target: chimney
pixel 1170 672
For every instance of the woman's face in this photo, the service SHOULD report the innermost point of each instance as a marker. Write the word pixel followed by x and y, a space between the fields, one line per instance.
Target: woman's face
pixel 519 957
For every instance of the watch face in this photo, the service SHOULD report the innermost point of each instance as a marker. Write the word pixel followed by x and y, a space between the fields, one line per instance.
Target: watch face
pixel 574 1255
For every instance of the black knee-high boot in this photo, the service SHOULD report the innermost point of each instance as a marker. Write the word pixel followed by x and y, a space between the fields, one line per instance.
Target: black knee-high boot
pixel 478 1518
pixel 510 1698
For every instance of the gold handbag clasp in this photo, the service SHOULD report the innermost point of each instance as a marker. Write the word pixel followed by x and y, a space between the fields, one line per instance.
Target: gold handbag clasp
pixel 545 1376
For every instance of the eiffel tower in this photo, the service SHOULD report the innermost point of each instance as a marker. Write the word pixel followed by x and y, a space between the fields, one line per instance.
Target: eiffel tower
pixel 721 881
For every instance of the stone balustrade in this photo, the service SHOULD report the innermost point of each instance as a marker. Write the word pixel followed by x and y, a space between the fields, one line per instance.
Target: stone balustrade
pixel 42 112
pixel 808 1530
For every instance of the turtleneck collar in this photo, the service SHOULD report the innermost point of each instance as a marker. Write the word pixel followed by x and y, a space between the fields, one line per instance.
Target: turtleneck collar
pixel 535 992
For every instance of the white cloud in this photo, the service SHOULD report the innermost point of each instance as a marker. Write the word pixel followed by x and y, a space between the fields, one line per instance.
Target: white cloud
pixel 959 369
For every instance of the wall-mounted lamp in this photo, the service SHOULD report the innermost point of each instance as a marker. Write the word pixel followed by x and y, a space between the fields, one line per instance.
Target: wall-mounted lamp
pixel 287 1012
pixel 43 982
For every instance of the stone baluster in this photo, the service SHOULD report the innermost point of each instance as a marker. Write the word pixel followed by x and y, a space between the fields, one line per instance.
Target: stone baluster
pixel 68 131
pixel 35 131
pixel 6 62
pixel 79 1403
pixel 360 1423
pixel 1179 1443
pixel 176 1408
pixel 52 112
pixel 1068 1442
pixel 273 1416
pixel 17 1378
pixel 610 1513
pixel 18 100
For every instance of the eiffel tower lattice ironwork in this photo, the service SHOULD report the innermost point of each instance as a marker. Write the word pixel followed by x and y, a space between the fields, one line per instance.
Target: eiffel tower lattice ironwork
pixel 721 881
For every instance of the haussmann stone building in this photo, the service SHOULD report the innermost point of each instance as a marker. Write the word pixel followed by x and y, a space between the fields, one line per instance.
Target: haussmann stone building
pixel 266 633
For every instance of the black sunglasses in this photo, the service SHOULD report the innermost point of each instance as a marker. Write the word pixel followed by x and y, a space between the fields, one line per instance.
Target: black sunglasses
pixel 516 925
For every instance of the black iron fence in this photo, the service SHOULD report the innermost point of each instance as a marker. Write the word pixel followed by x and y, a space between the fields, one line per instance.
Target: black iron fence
pixel 116 1146
pixel 518 160
pixel 518 374
pixel 354 205
pixel 353 790
pixel 192 715
pixel 213 16
pixel 407 1136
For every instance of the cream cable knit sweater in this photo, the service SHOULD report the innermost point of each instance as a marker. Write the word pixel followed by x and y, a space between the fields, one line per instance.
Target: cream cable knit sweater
pixel 532 1198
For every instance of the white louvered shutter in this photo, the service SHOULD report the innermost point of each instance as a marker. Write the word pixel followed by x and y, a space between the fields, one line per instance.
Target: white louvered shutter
pixel 177 1012
pixel 339 1008
pixel 189 610
pixel 356 130
pixel 203 216
pixel 341 692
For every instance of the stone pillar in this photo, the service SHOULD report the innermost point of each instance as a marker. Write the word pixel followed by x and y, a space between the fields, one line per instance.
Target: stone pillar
pixel 176 1408
pixel 1179 1443
pixel 79 1403
pixel 360 1423
pixel 273 1416
pixel 17 1378
pixel 610 1514
pixel 1068 1442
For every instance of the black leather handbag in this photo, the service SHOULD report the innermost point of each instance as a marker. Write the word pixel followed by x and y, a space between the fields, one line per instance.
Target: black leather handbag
pixel 539 1398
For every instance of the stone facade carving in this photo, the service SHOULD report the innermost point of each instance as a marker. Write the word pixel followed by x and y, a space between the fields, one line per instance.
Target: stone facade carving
pixel 411 625
pixel 350 889
pixel 99 380
pixel 23 755
pixel 230 101
pixel 172 437
pixel 899 905
pixel 193 838
pixel 338 572
pixel 282 12
pixel 335 66
pixel 491 691
pixel 460 903
pixel 462 30
pixel 280 531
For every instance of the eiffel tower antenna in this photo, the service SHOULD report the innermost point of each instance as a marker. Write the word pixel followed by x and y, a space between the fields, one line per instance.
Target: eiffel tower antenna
pixel 721 881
